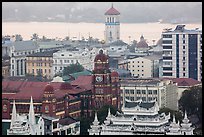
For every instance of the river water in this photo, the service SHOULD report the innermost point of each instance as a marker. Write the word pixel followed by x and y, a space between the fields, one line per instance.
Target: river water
pixel 128 31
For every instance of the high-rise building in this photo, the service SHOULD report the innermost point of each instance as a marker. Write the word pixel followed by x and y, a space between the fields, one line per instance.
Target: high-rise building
pixel 112 25
pixel 182 53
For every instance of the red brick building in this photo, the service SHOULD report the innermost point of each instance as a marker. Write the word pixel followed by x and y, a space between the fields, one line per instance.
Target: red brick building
pixel 54 99
pixel 65 99
pixel 105 83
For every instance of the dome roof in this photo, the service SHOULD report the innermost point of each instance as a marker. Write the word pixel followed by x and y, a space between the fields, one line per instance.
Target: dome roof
pixel 142 44
pixel 65 86
pixel 112 11
pixel 102 57
pixel 49 88
pixel 114 74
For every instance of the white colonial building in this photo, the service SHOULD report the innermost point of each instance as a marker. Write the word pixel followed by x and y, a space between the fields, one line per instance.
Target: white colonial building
pixel 112 25
pixel 165 92
pixel 19 51
pixel 139 118
pixel 22 124
pixel 64 58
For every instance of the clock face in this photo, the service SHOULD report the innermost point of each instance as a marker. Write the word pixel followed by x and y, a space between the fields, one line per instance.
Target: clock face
pixel 99 78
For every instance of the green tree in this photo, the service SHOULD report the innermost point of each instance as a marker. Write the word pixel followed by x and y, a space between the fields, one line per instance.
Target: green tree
pixel 191 101
pixel 177 114
pixel 103 112
pixel 73 68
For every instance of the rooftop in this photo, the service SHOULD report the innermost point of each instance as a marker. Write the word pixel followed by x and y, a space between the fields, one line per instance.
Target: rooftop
pixel 112 11
pixel 43 54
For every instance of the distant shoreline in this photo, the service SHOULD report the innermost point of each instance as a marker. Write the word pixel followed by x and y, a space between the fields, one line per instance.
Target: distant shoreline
pixel 163 22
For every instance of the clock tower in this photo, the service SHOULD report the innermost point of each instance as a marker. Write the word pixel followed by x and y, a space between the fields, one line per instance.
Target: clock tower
pixel 102 83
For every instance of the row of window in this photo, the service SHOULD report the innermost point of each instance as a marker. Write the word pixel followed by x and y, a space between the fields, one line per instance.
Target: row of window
pixel 39 71
pixel 140 91
pixel 25 53
pixel 66 61
pixel 143 98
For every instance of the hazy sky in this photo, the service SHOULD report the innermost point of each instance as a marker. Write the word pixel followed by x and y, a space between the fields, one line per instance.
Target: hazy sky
pixel 131 12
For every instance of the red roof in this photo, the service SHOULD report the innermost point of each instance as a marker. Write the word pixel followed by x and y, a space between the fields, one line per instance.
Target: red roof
pixel 185 82
pixel 7 95
pixel 26 89
pixel 112 11
pixel 82 80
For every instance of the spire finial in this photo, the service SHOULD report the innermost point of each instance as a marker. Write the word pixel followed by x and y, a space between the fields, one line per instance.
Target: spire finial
pixel 31 112
pixel 174 119
pixel 13 116
pixel 109 113
pixel 185 115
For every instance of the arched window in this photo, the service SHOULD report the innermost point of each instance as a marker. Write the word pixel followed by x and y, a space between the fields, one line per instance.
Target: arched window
pixel 46 108
pixel 4 108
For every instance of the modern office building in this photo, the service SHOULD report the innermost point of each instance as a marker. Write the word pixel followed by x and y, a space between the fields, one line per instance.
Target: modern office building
pixel 182 53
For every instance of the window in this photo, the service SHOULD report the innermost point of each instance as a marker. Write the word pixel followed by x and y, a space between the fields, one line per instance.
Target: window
pixel 167 36
pixel 131 91
pixel 126 91
pixel 62 54
pixel 143 92
pixel 184 69
pixel 167 47
pixel 184 58
pixel 45 64
pixel 149 91
pixel 60 68
pixel 149 98
pixel 4 108
pixel 132 98
pixel 142 62
pixel 183 41
pixel 155 92
pixel 133 66
pixel 167 68
pixel 45 71
pixel 33 64
pixel 167 41
pixel 167 58
pixel 184 47
pixel 46 109
pixel 183 35
pixel 167 74
pixel 138 92
pixel 68 130
pixel 143 98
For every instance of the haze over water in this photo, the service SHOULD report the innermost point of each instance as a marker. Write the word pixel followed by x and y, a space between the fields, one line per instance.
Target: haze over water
pixel 128 31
